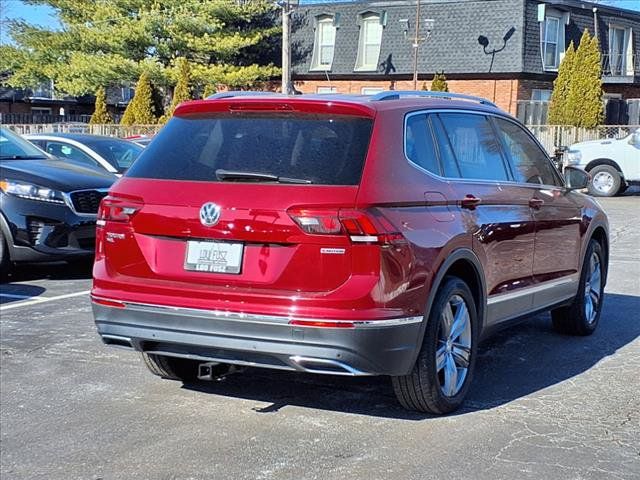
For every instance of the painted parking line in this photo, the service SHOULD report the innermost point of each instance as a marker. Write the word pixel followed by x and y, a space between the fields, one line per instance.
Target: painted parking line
pixel 39 300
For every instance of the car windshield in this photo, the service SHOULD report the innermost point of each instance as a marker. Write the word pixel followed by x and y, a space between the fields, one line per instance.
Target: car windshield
pixel 119 153
pixel 14 147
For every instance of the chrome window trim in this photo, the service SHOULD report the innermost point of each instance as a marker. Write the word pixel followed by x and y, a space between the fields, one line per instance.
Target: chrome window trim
pixel 252 317
pixel 521 292
pixel 473 180
pixel 69 202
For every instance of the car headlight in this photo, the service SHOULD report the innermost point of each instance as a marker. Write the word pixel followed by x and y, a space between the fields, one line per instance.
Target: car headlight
pixel 573 157
pixel 31 191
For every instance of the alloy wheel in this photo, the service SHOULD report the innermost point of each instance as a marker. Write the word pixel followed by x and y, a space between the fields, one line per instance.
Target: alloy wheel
pixel 453 352
pixel 593 288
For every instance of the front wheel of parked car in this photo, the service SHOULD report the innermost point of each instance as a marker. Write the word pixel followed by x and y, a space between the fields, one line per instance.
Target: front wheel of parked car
pixel 5 261
pixel 444 368
pixel 171 368
pixel 605 181
pixel 582 316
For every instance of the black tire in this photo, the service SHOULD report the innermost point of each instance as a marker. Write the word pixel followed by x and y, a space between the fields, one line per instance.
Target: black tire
pixel 604 189
pixel 421 389
pixel 171 368
pixel 573 319
pixel 5 261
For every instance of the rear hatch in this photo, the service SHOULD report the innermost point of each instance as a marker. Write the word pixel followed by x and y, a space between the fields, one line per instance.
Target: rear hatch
pixel 241 196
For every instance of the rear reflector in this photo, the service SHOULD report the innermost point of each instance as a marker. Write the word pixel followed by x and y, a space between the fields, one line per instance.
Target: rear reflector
pixel 107 303
pixel 321 324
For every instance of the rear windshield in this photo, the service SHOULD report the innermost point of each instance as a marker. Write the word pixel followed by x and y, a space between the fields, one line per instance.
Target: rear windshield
pixel 321 149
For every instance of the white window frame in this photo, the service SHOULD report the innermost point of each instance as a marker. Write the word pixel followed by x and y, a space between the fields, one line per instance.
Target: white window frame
pixel 366 20
pixel 559 43
pixel 371 90
pixel 627 65
pixel 324 90
pixel 324 24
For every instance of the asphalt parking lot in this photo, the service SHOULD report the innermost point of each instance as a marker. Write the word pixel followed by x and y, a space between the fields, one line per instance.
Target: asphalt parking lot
pixel 542 405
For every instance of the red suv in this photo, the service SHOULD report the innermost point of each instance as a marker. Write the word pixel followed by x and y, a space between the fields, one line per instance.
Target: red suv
pixel 331 234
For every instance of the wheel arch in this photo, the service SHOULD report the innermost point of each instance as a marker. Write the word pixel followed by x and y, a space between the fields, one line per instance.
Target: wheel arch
pixel 6 233
pixel 599 234
pixel 603 161
pixel 464 264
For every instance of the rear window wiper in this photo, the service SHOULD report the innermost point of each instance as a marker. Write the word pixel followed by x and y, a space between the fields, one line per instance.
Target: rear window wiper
pixel 256 176
pixel 22 157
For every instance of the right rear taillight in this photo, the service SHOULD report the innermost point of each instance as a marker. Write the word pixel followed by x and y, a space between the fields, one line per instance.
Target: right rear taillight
pixel 361 226
pixel 116 210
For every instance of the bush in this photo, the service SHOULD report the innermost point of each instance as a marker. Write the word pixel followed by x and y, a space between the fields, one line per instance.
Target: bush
pixel 100 114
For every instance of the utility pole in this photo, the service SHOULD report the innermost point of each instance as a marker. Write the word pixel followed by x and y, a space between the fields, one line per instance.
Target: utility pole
pixel 416 45
pixel 286 48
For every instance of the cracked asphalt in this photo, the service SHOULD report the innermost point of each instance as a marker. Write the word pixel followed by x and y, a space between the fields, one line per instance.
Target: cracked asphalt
pixel 542 405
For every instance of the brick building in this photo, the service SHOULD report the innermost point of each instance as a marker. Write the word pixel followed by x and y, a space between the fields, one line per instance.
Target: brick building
pixel 504 50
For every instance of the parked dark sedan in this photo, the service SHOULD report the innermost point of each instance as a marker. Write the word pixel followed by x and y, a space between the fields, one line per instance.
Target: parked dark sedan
pixel 47 207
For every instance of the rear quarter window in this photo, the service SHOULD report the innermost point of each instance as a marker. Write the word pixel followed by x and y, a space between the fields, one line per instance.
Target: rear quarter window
pixel 324 149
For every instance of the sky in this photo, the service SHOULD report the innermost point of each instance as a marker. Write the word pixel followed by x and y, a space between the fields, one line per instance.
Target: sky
pixel 45 16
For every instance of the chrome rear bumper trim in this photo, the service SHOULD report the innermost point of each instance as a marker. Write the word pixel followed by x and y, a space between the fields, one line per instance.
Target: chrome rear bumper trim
pixel 255 318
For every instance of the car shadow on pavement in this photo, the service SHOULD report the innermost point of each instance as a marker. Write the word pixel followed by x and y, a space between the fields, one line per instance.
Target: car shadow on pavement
pixel 18 293
pixel 517 361
pixel 49 271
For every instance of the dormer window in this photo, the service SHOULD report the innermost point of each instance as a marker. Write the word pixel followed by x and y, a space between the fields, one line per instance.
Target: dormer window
pixel 324 44
pixel 370 42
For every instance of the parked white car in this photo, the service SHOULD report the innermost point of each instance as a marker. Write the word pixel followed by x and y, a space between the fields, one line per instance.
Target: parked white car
pixel 614 164
pixel 114 155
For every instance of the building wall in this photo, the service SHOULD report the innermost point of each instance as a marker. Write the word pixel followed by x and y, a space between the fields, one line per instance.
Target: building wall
pixel 453 45
pixel 502 92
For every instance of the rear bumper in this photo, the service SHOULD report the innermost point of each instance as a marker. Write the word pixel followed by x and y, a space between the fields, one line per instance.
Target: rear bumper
pixel 381 347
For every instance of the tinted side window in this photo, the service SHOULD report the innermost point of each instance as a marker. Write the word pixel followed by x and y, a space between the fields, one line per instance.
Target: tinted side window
pixel 475 146
pixel 69 152
pixel 419 146
pixel 531 163
pixel 447 157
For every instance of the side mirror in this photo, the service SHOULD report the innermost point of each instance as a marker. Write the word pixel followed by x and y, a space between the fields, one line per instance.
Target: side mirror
pixel 576 178
pixel 635 139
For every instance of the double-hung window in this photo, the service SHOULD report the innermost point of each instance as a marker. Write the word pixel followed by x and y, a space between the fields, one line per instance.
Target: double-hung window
pixel 551 42
pixel 370 42
pixel 324 44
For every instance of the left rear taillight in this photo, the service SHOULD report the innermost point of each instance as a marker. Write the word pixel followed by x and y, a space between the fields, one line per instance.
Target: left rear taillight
pixel 361 226
pixel 116 210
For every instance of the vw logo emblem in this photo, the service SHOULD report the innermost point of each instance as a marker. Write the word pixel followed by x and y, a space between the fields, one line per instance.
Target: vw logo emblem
pixel 209 214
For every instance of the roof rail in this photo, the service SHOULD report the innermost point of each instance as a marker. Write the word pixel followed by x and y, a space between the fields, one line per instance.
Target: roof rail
pixel 398 94
pixel 243 93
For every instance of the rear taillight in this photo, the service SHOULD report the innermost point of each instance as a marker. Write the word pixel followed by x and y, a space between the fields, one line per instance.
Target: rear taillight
pixel 361 226
pixel 116 210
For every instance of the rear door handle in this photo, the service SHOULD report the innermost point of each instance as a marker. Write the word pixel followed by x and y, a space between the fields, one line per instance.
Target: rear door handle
pixel 470 202
pixel 536 203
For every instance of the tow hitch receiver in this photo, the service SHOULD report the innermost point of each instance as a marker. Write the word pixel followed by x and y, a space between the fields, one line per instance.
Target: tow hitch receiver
pixel 216 372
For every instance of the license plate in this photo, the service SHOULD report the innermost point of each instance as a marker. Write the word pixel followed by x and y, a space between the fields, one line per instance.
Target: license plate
pixel 219 257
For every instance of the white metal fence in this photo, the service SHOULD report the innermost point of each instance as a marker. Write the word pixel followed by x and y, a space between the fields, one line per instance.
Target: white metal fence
pixel 550 136
pixel 111 130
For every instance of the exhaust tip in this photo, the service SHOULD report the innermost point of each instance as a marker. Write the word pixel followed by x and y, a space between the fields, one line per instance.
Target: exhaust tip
pixel 324 365
pixel 117 341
